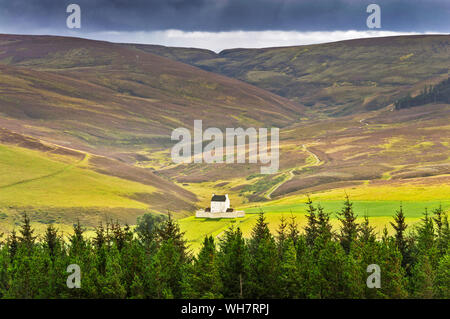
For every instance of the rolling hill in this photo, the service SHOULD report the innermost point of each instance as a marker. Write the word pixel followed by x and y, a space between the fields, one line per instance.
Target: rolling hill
pixel 103 95
pixel 337 78
pixel 58 184
pixel 79 113
pixel 85 127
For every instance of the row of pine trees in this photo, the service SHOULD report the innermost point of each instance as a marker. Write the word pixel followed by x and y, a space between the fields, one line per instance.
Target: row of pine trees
pixel 439 93
pixel 153 260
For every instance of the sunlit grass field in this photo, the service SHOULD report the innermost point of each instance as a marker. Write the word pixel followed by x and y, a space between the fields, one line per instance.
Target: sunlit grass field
pixel 31 178
pixel 197 228
pixel 380 214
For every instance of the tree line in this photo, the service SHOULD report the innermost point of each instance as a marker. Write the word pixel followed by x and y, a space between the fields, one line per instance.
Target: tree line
pixel 154 261
pixel 439 93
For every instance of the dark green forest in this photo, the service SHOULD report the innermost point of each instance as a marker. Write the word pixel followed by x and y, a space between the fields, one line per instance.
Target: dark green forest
pixel 153 260
pixel 439 93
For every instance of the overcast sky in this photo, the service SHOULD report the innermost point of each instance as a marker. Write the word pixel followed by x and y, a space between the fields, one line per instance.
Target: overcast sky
pixel 221 24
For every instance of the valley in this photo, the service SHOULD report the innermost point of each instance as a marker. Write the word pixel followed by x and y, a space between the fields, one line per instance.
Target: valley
pixel 85 130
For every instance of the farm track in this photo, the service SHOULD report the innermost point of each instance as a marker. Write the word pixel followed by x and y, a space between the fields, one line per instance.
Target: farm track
pixel 363 122
pixel 58 172
pixel 291 172
pixel 317 162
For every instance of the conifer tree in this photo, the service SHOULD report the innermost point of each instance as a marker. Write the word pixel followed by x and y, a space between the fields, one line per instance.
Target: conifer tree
pixel 324 228
pixel 77 236
pixel 282 236
pixel 442 228
pixel 100 238
pixel 393 275
pixel 233 261
pixel 367 251
pixel 444 243
pixel 137 288
pixel 170 229
pixel 400 238
pixel 118 235
pixel 331 266
pixel 264 262
pixel 51 240
pixel 27 238
pixel 290 285
pixel 147 227
pixel 422 274
pixel 367 232
pixel 205 281
pixel 260 231
pixel 422 278
pixel 12 244
pixel 134 263
pixel 308 270
pixel 5 262
pixel 425 236
pixel 110 281
pixel 311 226
pixel 293 232
pixel 442 278
pixel 385 236
pixel 349 227
pixel 167 270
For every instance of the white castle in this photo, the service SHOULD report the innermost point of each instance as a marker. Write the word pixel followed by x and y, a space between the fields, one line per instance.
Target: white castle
pixel 220 208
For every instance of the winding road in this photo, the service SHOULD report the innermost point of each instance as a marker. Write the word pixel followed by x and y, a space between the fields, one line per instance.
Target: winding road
pixel 291 175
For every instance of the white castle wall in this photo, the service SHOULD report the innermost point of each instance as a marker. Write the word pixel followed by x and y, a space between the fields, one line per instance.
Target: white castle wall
pixel 220 207
pixel 235 214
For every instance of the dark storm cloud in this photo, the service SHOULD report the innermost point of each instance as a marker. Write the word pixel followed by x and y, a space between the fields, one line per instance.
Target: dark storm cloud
pixel 226 15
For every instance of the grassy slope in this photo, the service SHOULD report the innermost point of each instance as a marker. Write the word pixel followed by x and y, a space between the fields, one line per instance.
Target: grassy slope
pixel 336 78
pixel 56 184
pixel 48 186
pixel 119 97
pixel 66 185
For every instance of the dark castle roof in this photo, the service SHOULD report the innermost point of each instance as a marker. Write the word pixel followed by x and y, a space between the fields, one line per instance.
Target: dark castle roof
pixel 218 198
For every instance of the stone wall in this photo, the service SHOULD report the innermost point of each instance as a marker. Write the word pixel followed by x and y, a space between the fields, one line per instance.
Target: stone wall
pixel 235 214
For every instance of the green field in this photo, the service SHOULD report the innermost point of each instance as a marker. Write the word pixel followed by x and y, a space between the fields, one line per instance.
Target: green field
pixel 380 208
pixel 60 189
pixel 380 214
pixel 48 181
pixel 57 181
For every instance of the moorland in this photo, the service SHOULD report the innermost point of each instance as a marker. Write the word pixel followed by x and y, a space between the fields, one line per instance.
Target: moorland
pixel 85 130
